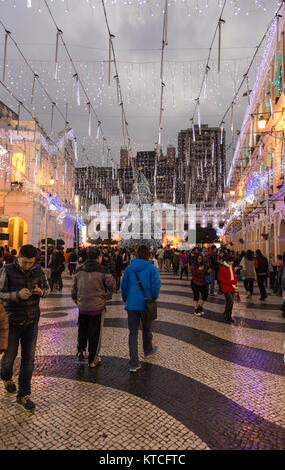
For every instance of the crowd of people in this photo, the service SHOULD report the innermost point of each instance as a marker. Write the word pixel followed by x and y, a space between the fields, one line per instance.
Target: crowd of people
pixel 97 273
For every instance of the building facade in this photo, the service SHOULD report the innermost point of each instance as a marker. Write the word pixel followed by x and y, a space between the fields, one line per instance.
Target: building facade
pixel 36 184
pixel 256 191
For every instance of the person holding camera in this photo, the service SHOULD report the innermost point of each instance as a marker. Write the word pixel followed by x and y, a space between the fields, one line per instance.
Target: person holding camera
pixel 22 284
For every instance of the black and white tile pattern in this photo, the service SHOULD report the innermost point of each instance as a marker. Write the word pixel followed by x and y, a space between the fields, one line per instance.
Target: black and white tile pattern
pixel 210 386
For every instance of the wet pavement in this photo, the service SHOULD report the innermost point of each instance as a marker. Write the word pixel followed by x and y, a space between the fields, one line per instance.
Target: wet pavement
pixel 211 385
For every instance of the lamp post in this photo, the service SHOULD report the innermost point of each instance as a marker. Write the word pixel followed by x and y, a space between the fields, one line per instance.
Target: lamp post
pixel 51 181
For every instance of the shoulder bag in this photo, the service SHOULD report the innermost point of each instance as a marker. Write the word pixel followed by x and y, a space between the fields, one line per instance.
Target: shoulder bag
pixel 150 304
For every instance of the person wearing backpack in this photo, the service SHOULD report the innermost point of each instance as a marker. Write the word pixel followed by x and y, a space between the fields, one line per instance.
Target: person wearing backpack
pixel 134 298
pixel 261 268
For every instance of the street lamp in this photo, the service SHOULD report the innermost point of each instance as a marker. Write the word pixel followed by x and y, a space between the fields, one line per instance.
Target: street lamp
pixel 232 193
pixel 52 180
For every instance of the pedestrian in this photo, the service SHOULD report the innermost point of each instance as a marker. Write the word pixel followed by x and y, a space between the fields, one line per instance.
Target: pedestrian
pixel 91 285
pixel 184 261
pixel 199 269
pixel 213 264
pixel 11 257
pixel 248 273
pixel 118 266
pixel 160 258
pixel 4 329
pixel 167 258
pixel 175 261
pixel 22 284
pixel 72 262
pixel 153 260
pixel 57 267
pixel 261 268
pixel 132 295
pixel 228 282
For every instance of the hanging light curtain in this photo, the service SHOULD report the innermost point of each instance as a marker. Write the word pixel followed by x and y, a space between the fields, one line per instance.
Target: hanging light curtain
pixel 77 89
pixel 51 119
pixel 221 21
pixel 193 131
pixel 213 151
pixel 222 132
pixel 199 117
pixel 5 54
pixel 89 118
pixel 33 87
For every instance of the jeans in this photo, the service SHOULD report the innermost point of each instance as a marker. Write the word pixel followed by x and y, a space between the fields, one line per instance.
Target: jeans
pixel 118 281
pixel 248 285
pixel 72 267
pixel 134 319
pixel 261 279
pixel 229 296
pixel 184 268
pixel 55 278
pixel 175 268
pixel 27 334
pixel 90 330
pixel 167 264
pixel 212 283
pixel 160 263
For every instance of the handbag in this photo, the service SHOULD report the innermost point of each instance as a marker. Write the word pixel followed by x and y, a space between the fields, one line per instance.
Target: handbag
pixel 150 304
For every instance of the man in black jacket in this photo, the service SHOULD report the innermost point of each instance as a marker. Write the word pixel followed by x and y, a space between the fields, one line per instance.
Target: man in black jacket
pixel 21 286
pixel 57 267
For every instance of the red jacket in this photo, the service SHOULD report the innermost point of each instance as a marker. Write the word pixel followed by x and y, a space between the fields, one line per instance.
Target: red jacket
pixel 225 279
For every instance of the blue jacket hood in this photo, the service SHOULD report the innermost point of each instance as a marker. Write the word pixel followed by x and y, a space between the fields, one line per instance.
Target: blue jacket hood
pixel 138 264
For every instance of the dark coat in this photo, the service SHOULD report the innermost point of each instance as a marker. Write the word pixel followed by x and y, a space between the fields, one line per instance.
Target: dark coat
pixel 12 280
pixel 4 329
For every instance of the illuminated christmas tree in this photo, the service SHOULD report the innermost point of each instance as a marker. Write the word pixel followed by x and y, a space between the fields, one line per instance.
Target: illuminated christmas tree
pixel 141 197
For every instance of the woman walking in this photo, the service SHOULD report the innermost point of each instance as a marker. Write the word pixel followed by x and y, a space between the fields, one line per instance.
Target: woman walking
pixel 228 281
pixel 248 265
pixel 199 269
pixel 91 285
pixel 261 267
pixel 149 277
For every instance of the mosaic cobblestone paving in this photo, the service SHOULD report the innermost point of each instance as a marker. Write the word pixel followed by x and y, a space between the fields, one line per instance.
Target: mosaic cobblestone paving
pixel 210 386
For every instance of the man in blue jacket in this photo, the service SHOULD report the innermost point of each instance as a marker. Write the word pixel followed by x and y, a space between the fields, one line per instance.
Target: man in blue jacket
pixel 135 303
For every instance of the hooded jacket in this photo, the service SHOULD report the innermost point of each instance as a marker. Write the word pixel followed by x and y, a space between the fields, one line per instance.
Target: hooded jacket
pixel 150 279
pixel 91 285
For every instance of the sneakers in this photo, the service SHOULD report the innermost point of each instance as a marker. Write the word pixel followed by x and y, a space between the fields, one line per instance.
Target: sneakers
pixel 197 312
pixel 200 309
pixel 154 350
pixel 10 386
pixel 135 368
pixel 95 363
pixel 80 355
pixel 26 403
